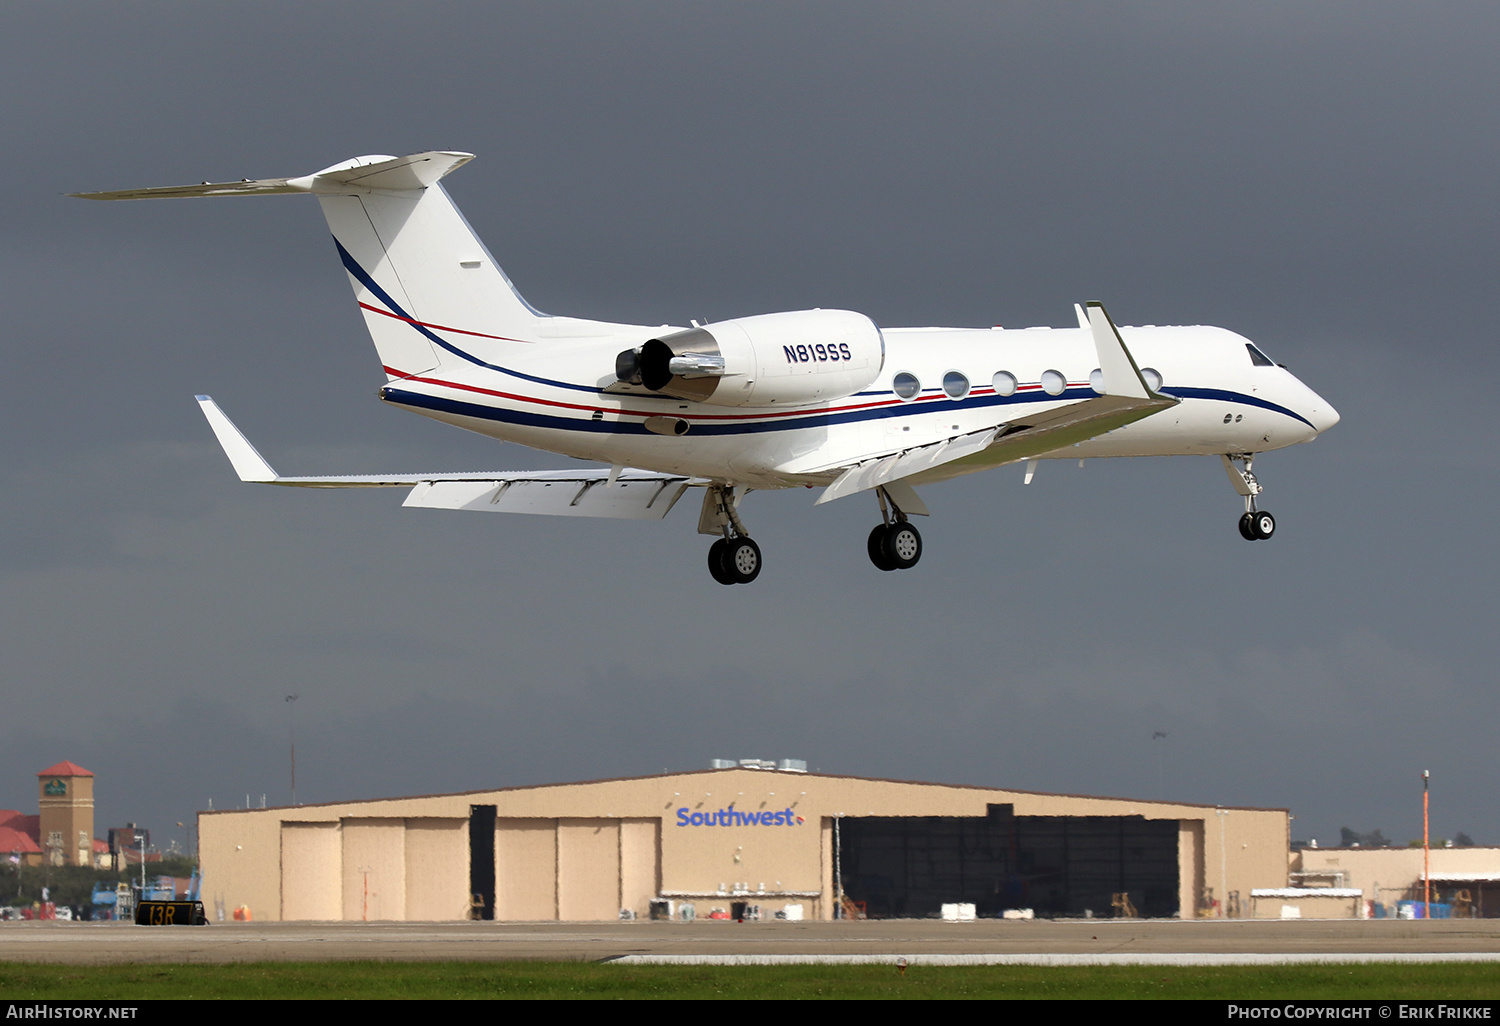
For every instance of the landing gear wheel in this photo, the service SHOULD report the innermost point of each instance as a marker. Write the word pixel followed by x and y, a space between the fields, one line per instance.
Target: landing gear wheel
pixel 716 565
pixel 902 545
pixel 876 548
pixel 741 560
pixel 1264 525
pixel 1247 527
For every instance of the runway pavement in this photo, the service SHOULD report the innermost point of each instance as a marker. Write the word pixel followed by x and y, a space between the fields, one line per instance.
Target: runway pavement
pixel 1039 941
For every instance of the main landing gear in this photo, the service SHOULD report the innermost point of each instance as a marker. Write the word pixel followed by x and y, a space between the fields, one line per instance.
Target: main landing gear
pixel 734 558
pixel 1255 524
pixel 894 543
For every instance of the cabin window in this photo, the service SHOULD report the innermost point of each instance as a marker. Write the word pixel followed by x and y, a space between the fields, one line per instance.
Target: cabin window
pixel 1257 357
pixel 1153 378
pixel 1053 382
pixel 906 385
pixel 1096 380
pixel 955 384
pixel 1004 383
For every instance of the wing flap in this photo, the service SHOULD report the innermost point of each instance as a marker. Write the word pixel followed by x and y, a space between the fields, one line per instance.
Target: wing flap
pixel 640 497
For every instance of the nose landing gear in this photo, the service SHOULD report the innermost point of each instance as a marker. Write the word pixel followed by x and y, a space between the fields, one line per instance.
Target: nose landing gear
pixel 1255 525
pixel 894 543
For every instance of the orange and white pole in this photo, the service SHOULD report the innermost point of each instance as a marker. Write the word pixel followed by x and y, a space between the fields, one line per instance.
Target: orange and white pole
pixel 1426 856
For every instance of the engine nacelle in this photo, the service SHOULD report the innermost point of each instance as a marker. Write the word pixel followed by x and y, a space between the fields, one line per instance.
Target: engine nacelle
pixel 780 359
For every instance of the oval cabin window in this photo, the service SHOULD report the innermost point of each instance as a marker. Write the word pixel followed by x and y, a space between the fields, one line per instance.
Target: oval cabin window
pixel 955 384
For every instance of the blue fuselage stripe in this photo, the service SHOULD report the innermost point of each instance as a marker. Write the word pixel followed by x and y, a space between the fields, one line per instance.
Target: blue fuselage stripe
pixel 507 415
pixel 1224 395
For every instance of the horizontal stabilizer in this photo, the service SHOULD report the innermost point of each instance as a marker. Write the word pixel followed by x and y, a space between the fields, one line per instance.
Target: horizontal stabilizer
pixel 244 187
pixel 358 175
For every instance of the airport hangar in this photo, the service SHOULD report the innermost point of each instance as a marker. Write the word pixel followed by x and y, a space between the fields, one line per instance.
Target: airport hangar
pixel 752 835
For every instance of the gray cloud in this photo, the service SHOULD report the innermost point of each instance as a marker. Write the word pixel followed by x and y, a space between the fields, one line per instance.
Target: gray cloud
pixel 1319 179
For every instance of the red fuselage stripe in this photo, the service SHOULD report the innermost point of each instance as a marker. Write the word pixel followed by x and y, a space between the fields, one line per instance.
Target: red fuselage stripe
pixel 438 327
pixel 516 397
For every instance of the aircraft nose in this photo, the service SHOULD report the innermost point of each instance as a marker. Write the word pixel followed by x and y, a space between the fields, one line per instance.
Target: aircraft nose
pixel 1320 413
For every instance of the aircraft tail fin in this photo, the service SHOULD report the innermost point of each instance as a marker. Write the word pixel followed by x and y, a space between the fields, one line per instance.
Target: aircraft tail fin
pixel 429 290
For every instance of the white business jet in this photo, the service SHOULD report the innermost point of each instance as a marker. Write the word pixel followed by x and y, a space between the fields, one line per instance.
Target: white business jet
pixel 806 398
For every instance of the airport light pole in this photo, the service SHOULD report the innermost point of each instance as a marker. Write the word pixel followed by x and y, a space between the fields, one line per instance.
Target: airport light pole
pixel 1161 772
pixel 292 734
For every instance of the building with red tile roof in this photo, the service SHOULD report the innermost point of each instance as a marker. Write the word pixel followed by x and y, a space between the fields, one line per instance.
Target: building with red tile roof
pixel 18 836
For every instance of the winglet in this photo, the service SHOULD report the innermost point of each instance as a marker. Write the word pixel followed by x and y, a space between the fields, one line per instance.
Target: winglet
pixel 248 464
pixel 1121 376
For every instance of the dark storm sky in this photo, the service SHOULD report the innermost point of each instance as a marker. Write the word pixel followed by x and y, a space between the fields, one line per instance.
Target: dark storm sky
pixel 1319 177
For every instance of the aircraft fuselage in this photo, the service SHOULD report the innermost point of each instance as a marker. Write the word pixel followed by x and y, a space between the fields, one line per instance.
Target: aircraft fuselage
pixel 1230 403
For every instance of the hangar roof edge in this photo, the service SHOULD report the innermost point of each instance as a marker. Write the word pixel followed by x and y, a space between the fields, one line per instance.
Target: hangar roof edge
pixel 744 769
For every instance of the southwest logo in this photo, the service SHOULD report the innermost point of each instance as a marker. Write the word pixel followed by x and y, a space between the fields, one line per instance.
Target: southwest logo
pixel 734 817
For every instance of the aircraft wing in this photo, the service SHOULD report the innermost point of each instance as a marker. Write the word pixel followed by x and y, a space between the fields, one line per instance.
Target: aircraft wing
pixel 586 492
pixel 1126 399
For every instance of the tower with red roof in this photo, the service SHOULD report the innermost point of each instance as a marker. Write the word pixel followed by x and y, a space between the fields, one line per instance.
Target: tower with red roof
pixel 65 794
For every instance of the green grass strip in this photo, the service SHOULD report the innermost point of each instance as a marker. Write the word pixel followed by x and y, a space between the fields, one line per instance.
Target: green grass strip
pixel 550 980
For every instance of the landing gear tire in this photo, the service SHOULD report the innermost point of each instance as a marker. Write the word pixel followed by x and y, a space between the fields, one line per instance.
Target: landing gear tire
pixel 876 548
pixel 716 564
pixel 1264 525
pixel 741 560
pixel 902 545
pixel 1247 527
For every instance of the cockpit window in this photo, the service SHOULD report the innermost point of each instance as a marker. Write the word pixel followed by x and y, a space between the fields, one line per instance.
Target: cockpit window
pixel 1257 357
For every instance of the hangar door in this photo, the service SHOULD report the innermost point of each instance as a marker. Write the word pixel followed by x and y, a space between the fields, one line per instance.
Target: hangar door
pixel 909 866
